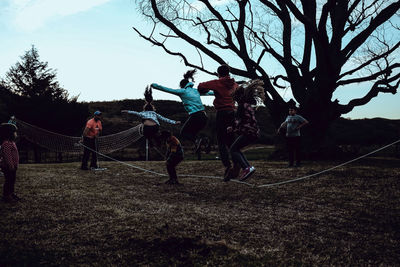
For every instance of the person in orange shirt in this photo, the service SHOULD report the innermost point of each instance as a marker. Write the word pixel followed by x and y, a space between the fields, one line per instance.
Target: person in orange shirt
pixel 174 155
pixel 92 131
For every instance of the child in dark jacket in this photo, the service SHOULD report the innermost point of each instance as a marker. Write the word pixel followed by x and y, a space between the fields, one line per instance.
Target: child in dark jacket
pixel 9 159
pixel 245 126
pixel 174 155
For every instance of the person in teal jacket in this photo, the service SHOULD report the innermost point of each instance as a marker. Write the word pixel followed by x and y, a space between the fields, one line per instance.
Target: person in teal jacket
pixel 191 100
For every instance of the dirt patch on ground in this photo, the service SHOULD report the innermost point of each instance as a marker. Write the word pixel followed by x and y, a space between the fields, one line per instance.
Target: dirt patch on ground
pixel 124 216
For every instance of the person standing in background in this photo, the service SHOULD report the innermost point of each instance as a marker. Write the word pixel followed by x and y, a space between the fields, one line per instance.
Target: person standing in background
pixel 89 139
pixel 293 124
pixel 9 160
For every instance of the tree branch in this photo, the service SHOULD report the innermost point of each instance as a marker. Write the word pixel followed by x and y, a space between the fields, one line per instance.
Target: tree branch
pixel 380 18
pixel 381 86
pixel 186 62
pixel 371 77
pixel 368 62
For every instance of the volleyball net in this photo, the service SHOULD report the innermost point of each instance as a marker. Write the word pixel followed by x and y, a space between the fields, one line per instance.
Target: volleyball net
pixel 62 143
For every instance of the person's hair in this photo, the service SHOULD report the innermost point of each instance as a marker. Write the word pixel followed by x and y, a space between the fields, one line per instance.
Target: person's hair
pixel 251 92
pixel 223 70
pixel 165 134
pixel 187 77
pixel 148 97
pixel 7 131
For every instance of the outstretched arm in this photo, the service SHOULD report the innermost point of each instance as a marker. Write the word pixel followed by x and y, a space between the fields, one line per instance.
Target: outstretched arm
pixel 167 90
pixel 167 120
pixel 209 93
pixel 204 87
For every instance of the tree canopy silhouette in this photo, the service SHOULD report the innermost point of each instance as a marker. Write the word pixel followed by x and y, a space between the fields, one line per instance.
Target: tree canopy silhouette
pixel 309 47
pixel 33 78
pixel 32 93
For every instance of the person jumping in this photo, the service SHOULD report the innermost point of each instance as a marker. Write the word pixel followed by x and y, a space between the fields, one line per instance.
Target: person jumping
pixel 191 100
pixel 150 118
pixel 245 126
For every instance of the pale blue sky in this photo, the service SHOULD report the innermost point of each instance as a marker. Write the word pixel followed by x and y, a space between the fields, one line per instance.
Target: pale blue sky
pixel 98 55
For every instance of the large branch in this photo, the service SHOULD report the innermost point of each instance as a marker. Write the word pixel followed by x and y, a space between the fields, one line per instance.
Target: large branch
pixel 209 40
pixel 371 77
pixel 357 41
pixel 186 62
pixel 368 62
pixel 183 35
pixel 309 8
pixel 228 38
pixel 381 86
pixel 338 19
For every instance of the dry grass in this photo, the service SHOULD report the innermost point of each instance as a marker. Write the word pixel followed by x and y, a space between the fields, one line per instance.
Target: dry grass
pixel 122 216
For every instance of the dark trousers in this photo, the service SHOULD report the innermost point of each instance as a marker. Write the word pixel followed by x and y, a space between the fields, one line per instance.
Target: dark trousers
pixel 151 133
pixel 237 156
pixel 91 143
pixel 193 125
pixel 293 146
pixel 223 120
pixel 172 161
pixel 9 182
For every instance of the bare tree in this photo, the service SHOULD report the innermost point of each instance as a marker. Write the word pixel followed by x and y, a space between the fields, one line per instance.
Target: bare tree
pixel 307 46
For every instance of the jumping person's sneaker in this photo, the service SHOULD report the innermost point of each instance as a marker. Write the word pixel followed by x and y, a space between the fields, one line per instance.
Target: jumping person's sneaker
pixel 247 173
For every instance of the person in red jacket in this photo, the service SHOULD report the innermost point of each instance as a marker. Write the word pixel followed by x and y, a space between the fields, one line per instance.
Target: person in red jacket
pixel 9 159
pixel 225 106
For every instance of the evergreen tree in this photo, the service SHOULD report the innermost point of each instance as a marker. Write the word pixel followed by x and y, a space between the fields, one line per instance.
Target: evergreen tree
pixel 33 78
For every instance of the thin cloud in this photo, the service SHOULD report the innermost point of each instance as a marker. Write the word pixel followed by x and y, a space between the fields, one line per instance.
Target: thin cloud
pixel 30 15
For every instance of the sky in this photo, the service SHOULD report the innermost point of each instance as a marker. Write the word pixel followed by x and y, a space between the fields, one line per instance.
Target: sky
pixel 99 57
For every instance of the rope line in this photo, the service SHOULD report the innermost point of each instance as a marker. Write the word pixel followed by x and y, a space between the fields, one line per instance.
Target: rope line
pixel 245 183
pixel 161 174
pixel 249 184
pixel 332 168
pixel 124 138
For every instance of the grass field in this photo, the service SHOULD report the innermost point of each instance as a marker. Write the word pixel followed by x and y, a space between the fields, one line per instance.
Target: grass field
pixel 122 216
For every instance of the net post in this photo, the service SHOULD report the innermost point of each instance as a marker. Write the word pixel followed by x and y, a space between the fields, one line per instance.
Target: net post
pixel 147 149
